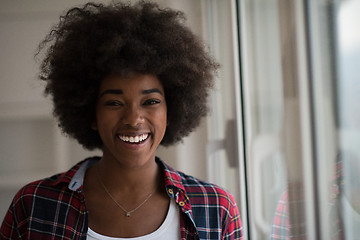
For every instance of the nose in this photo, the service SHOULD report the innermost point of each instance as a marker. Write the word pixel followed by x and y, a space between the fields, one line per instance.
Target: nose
pixel 132 116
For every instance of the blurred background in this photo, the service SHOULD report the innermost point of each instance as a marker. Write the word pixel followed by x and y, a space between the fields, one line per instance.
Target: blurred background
pixel 283 135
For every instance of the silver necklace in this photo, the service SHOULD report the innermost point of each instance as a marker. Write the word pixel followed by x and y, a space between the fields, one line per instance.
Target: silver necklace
pixel 127 213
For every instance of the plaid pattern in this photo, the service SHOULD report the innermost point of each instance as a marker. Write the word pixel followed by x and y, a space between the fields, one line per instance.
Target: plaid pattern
pixel 54 208
pixel 282 227
pixel 210 212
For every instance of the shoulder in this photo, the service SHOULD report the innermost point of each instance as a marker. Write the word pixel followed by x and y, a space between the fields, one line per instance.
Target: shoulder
pixel 212 208
pixel 43 204
pixel 59 180
pixel 45 191
pixel 200 192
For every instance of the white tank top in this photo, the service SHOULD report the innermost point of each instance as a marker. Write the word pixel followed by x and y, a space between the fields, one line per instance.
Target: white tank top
pixel 169 229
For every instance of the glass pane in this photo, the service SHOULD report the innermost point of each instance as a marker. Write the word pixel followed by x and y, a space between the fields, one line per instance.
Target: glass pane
pixel 224 152
pixel 348 87
pixel 277 122
pixel 222 146
pixel 337 114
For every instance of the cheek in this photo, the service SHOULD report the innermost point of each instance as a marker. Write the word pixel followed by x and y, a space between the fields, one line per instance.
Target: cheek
pixel 163 118
pixel 105 119
pixel 159 120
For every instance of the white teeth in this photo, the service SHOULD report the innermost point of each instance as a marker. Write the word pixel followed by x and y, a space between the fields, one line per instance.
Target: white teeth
pixel 133 139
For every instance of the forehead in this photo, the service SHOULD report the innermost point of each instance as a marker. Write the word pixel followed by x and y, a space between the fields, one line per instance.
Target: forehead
pixel 131 82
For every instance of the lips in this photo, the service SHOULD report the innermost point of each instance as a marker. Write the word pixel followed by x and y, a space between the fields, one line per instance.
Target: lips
pixel 134 139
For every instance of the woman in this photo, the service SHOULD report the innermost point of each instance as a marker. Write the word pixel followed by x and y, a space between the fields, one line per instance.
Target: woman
pixel 124 79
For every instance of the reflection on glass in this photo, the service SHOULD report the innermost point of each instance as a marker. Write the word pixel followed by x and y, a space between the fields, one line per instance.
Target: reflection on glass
pixel 271 112
pixel 335 54
pixel 301 82
pixel 348 92
pixel 336 83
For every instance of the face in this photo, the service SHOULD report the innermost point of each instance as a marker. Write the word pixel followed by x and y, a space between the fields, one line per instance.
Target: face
pixel 131 118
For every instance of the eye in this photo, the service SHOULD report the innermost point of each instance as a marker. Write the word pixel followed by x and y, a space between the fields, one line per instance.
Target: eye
pixel 113 103
pixel 152 102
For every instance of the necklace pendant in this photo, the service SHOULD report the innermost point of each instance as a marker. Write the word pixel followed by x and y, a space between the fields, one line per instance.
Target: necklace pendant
pixel 127 214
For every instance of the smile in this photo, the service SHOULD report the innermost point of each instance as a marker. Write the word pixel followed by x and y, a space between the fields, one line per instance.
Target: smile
pixel 134 139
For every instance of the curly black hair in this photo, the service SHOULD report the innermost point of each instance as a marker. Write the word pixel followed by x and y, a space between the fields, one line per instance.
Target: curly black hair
pixel 96 40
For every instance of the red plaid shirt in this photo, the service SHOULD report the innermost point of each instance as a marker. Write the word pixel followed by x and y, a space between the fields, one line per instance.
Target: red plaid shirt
pixel 281 227
pixel 54 208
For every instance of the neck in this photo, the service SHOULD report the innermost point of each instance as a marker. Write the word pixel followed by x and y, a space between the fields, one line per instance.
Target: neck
pixel 121 178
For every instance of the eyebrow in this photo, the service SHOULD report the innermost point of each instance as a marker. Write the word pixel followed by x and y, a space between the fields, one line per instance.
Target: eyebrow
pixel 152 90
pixel 112 91
pixel 119 91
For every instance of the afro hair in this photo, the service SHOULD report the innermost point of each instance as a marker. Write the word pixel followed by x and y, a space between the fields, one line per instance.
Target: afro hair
pixel 96 40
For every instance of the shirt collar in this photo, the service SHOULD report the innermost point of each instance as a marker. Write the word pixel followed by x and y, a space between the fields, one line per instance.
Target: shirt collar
pixel 78 178
pixel 173 181
pixel 174 186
